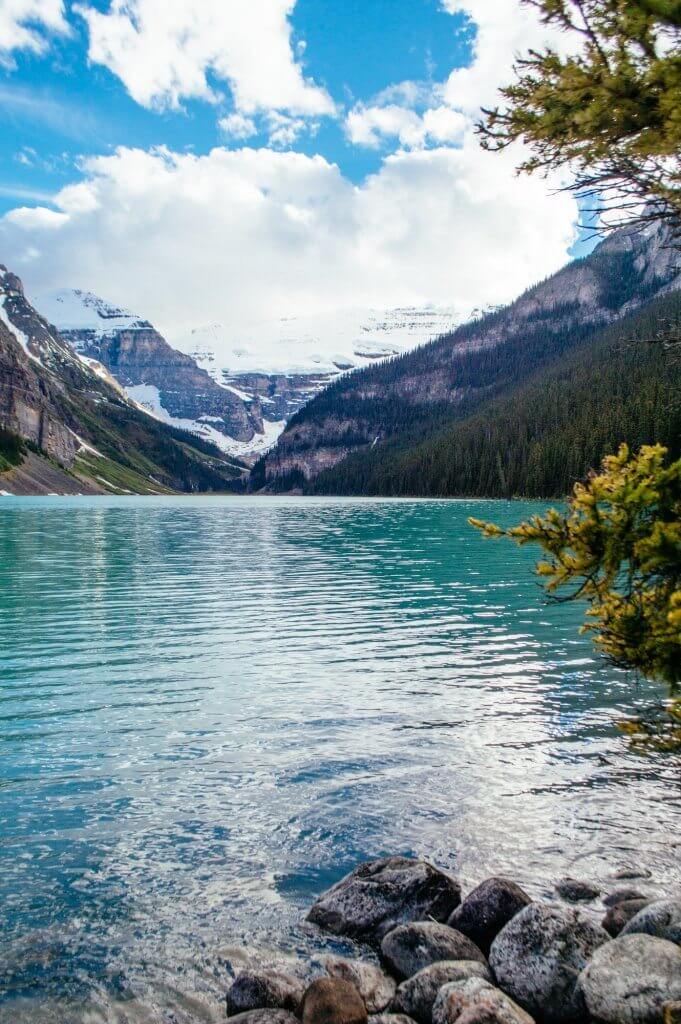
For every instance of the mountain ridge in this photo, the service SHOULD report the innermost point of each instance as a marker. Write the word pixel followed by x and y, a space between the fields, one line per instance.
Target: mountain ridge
pixel 422 390
pixel 72 415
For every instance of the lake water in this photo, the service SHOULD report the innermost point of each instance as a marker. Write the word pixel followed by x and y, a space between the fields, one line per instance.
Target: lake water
pixel 212 708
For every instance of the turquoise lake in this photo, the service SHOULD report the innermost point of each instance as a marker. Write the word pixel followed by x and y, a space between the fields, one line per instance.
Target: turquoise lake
pixel 212 708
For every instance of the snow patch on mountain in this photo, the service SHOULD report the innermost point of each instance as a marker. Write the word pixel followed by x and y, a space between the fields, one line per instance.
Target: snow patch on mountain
pixel 71 309
pixel 18 334
pixel 148 398
pixel 324 343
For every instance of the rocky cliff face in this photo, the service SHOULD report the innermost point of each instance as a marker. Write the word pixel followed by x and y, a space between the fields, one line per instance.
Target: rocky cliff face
pixel 70 409
pixel 167 382
pixel 35 369
pixel 367 408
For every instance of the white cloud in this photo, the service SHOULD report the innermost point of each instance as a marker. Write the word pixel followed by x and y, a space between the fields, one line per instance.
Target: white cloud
pixel 164 50
pixel 285 130
pixel 27 25
pixel 237 126
pixel 504 30
pixel 373 125
pixel 419 114
pixel 247 234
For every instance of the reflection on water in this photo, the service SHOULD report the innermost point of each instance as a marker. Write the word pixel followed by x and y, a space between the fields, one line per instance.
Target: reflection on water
pixel 210 709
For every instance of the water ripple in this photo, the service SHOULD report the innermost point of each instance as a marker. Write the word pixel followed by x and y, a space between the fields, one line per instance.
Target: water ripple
pixel 210 709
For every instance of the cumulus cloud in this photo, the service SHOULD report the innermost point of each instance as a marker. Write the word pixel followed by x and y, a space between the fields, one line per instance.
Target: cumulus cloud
pixel 374 125
pixel 27 25
pixel 237 126
pixel 164 52
pixel 247 234
pixel 420 114
pixel 504 29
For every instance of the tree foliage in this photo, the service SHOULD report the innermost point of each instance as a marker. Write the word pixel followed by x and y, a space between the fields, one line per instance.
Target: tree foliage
pixel 619 547
pixel 610 111
pixel 532 434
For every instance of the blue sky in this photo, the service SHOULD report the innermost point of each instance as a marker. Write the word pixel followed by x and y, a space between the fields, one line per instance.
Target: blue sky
pixel 58 106
pixel 208 159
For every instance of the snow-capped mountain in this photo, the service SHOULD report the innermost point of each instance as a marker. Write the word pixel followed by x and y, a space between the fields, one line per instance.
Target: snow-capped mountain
pixel 236 385
pixel 325 343
pixel 166 383
pixel 73 310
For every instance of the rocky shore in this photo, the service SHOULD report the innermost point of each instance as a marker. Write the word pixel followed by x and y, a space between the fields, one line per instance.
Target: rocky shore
pixel 428 956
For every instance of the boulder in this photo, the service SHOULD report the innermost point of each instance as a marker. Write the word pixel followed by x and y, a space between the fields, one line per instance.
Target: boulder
pixel 393 1018
pixel 575 890
pixel 476 1002
pixel 264 1017
pixel 411 947
pixel 538 956
pixel 416 995
pixel 333 1001
pixel 264 988
pixel 373 984
pixel 380 894
pixel 631 979
pixel 620 914
pixel 623 895
pixel 487 909
pixel 662 918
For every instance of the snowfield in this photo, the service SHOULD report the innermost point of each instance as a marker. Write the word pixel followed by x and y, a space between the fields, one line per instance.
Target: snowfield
pixel 325 343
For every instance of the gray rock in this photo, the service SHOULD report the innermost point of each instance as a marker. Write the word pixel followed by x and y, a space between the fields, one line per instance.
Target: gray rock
pixel 411 947
pixel 487 909
pixel 622 896
pixel 624 874
pixel 264 988
pixel 391 1018
pixel 380 894
pixel 333 1001
pixel 576 891
pixel 416 995
pixel 264 1017
pixel 538 956
pixel 373 984
pixel 476 1002
pixel 662 918
pixel 621 914
pixel 629 980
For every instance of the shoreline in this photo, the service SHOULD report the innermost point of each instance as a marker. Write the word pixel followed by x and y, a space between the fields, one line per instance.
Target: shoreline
pixel 428 954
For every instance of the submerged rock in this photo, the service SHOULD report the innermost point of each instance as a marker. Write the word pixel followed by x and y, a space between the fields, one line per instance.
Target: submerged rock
pixel 576 891
pixel 486 910
pixel 538 956
pixel 333 1001
pixel 631 979
pixel 631 872
pixel 416 995
pixel 662 918
pixel 374 985
pixel 380 894
pixel 476 1002
pixel 393 1018
pixel 621 914
pixel 264 1017
pixel 264 988
pixel 622 896
pixel 411 947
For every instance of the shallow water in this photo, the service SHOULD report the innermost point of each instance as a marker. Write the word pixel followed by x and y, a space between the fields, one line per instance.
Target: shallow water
pixel 212 708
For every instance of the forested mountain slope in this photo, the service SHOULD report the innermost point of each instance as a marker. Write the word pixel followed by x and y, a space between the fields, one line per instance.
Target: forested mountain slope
pixel 547 433
pixel 421 393
pixel 70 419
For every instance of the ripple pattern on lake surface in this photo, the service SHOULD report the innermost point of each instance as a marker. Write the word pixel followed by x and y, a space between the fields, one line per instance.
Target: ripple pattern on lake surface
pixel 211 708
